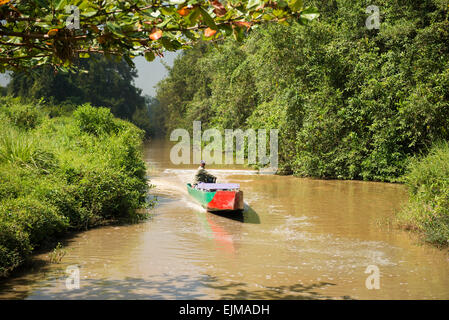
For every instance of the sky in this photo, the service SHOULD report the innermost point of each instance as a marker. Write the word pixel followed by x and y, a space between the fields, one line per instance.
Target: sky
pixel 3 79
pixel 149 73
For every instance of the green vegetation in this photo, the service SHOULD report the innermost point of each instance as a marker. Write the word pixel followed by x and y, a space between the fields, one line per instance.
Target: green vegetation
pixel 428 208
pixel 57 254
pixel 64 173
pixel 46 32
pixel 350 103
pixel 106 83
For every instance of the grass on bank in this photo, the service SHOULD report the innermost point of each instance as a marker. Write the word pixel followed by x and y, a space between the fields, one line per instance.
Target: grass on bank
pixel 427 211
pixel 68 172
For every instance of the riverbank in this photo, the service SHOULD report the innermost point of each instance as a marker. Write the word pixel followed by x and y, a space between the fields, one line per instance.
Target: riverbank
pixel 427 211
pixel 69 172
pixel 350 102
pixel 312 239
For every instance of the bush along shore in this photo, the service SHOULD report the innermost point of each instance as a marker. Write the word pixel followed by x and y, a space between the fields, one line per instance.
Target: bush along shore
pixel 427 211
pixel 69 172
pixel 350 102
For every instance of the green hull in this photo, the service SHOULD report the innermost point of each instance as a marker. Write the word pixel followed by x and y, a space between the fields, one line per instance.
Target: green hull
pixel 221 200
pixel 200 196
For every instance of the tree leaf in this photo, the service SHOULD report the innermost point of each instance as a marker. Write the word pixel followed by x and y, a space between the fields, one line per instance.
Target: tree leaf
pixel 150 56
pixel 310 13
pixel 156 34
pixel 128 60
pixel 219 9
pixel 184 11
pixel 207 19
pixel 253 3
pixel 209 32
pixel 52 32
pixel 296 5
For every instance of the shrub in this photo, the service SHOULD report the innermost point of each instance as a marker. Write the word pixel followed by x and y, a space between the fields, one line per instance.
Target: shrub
pixel 91 196
pixel 14 246
pixel 65 109
pixel 24 116
pixel 69 172
pixel 428 183
pixel 94 120
pixel 8 189
pixel 38 219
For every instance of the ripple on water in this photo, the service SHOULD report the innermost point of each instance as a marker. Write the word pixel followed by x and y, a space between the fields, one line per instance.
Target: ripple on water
pixel 185 252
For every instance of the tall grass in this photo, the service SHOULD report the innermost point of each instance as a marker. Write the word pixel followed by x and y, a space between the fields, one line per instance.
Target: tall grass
pixel 61 173
pixel 428 183
pixel 22 149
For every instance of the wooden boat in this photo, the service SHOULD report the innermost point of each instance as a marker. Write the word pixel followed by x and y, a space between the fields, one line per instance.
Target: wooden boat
pixel 218 196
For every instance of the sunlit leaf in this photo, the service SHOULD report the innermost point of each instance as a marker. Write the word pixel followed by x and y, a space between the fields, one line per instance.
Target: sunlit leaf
pixel 184 11
pixel 243 24
pixel 156 34
pixel 219 9
pixel 155 14
pixel 209 32
pixel 128 27
pixel 310 13
pixel 253 3
pixel 295 5
pixel 52 32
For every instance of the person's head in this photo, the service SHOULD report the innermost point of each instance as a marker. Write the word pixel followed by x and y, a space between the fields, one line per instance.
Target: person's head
pixel 203 163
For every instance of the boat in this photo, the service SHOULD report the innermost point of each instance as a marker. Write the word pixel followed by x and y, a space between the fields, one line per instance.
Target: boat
pixel 218 196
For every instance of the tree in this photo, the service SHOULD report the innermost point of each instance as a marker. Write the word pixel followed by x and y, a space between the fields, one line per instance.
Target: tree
pixel 58 32
pixel 106 83
pixel 349 102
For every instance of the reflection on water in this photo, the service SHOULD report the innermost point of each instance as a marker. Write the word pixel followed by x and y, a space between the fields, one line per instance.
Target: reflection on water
pixel 296 239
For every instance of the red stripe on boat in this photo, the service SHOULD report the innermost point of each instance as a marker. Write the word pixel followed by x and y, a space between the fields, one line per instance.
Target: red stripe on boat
pixel 226 200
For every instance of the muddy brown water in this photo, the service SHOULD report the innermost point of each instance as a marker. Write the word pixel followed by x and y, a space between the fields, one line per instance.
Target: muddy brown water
pixel 296 239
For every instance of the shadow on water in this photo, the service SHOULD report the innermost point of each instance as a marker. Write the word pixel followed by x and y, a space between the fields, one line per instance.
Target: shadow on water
pixel 35 268
pixel 291 292
pixel 248 215
pixel 16 279
pixel 181 288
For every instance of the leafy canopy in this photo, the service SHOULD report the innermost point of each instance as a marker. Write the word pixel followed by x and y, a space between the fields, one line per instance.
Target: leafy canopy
pixel 349 102
pixel 58 32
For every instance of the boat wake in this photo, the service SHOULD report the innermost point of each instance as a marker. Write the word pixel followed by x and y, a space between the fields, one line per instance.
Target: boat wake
pixel 171 183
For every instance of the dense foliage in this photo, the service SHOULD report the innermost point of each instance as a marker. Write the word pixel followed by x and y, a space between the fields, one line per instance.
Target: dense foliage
pixel 106 82
pixel 428 209
pixel 350 102
pixel 57 32
pixel 64 173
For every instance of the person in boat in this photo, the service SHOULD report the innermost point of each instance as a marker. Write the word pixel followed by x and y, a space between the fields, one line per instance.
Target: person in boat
pixel 203 176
